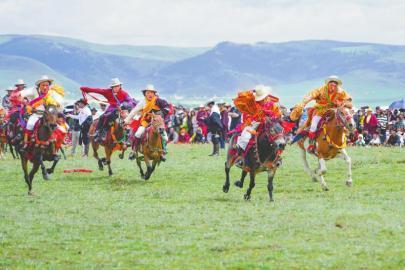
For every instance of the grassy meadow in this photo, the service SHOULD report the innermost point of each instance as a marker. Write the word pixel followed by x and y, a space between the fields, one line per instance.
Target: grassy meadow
pixel 181 219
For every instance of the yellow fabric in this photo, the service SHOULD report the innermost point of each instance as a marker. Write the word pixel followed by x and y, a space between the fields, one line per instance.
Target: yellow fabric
pixel 53 97
pixel 149 106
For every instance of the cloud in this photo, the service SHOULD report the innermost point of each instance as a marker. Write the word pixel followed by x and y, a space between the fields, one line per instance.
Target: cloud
pixel 205 23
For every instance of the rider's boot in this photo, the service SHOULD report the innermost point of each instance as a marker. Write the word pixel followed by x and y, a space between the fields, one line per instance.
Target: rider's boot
pixel 240 161
pixel 164 146
pixel 26 141
pixel 135 146
pixel 312 143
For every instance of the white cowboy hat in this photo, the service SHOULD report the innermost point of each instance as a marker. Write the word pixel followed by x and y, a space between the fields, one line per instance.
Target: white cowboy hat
pixel 261 92
pixel 115 82
pixel 333 78
pixel 10 88
pixel 149 87
pixel 20 82
pixel 44 78
pixel 210 102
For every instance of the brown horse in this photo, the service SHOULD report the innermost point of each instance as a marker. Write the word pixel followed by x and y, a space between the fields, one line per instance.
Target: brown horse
pixel 115 140
pixel 151 147
pixel 42 148
pixel 331 143
pixel 264 155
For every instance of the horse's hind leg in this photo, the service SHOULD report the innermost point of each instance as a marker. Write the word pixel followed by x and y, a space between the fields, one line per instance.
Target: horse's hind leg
pixel 239 183
pixel 108 154
pixel 270 178
pixel 251 185
pixel 306 165
pixel 345 156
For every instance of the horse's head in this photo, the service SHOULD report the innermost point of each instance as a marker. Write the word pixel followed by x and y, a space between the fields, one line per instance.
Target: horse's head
pixel 345 119
pixel 157 122
pixel 275 132
pixel 50 115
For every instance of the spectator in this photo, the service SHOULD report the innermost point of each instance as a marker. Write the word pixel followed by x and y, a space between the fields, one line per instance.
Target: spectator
pixel 75 129
pixel 215 126
pixel 184 137
pixel 382 120
pixel 375 141
pixel 236 118
pixel 394 139
pixel 360 141
pixel 370 122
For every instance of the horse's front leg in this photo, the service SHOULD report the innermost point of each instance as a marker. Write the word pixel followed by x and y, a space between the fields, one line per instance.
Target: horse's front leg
pixel 55 161
pixel 138 162
pixel 345 156
pixel 251 184
pixel 270 178
pixel 240 182
pixel 321 171
pixel 43 168
pixel 306 165
pixel 95 155
pixel 225 187
pixel 34 170
pixel 24 165
pixel 148 169
pixel 108 153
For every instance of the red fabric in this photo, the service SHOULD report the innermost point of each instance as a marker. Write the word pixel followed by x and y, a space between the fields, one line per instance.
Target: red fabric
pixel 288 126
pixel 59 137
pixel 134 125
pixel 184 138
pixel 108 94
pixel 371 125
pixel 77 170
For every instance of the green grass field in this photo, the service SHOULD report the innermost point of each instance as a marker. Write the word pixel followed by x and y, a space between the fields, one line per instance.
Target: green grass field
pixel 181 219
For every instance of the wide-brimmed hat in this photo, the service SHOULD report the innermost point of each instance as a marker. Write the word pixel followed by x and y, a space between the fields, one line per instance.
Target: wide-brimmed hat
pixel 10 88
pixel 333 78
pixel 149 87
pixel 261 92
pixel 44 78
pixel 115 82
pixel 210 102
pixel 19 82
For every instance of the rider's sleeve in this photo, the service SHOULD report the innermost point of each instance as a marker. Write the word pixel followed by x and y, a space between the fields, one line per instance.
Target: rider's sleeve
pixel 28 93
pixel 138 108
pixel 93 90
pixel 164 106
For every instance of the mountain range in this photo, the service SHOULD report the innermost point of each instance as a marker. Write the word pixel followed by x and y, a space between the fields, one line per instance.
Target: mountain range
pixel 372 73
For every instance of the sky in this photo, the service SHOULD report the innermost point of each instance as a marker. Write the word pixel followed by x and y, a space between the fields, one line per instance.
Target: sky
pixel 204 23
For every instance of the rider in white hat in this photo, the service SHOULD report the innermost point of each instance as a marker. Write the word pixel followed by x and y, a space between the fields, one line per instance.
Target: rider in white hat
pixel 268 105
pixel 151 103
pixel 45 94
pixel 116 97
pixel 20 85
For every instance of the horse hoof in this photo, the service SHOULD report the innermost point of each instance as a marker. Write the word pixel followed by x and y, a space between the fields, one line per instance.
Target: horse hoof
pixel 225 188
pixel 49 171
pixel 121 156
pixel 31 193
pixel 246 197
pixel 45 176
pixel 349 183
pixel 271 200
pixel 239 184
pixel 325 188
pixel 314 179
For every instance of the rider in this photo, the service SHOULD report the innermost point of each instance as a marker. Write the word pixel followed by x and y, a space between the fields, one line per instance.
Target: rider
pixel 16 102
pixel 266 105
pixel 116 97
pixel 330 95
pixel 151 103
pixel 44 94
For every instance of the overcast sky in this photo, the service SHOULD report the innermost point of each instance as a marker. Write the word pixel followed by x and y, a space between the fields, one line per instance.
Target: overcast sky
pixel 206 22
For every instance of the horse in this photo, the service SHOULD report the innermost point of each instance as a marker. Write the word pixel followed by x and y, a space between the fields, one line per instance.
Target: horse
pixel 331 143
pixel 151 146
pixel 3 137
pixel 14 134
pixel 263 155
pixel 115 140
pixel 42 148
